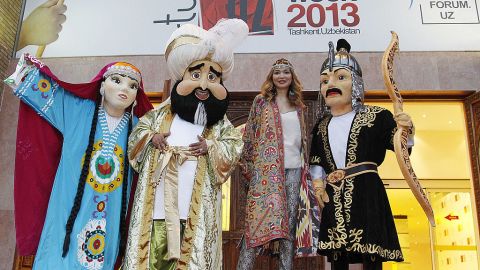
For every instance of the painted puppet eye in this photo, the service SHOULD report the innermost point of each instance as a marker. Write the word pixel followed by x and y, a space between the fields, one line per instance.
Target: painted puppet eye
pixel 195 75
pixel 115 79
pixel 212 76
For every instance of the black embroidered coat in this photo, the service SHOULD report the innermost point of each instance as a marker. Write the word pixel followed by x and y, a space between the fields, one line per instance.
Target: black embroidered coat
pixel 358 219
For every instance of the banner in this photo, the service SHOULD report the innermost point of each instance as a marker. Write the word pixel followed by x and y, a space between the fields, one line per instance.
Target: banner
pixel 142 27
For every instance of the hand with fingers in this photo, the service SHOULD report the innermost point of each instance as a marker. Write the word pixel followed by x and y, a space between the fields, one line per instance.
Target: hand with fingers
pixel 405 120
pixel 199 148
pixel 43 24
pixel 320 192
pixel 159 140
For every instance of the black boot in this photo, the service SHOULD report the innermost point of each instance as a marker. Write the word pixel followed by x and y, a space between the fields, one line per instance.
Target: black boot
pixel 371 263
pixel 339 261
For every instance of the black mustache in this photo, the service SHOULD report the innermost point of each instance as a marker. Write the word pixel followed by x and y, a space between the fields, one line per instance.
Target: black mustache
pixel 333 90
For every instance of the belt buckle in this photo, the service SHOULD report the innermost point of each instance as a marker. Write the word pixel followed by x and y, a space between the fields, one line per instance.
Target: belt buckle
pixel 336 176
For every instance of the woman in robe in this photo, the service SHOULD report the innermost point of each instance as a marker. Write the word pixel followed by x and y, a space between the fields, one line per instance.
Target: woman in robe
pixel 275 165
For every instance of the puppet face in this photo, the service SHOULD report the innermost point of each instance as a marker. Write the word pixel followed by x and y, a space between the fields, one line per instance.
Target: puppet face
pixel 200 97
pixel 120 91
pixel 204 79
pixel 282 77
pixel 336 89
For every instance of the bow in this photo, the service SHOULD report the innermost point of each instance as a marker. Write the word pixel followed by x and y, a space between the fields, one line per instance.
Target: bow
pixel 401 135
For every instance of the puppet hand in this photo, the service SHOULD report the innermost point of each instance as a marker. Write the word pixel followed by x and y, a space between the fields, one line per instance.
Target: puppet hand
pixel 199 148
pixel 42 26
pixel 320 192
pixel 404 120
pixel 159 140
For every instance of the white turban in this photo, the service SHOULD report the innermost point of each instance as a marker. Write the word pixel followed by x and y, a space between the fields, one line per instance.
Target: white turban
pixel 190 43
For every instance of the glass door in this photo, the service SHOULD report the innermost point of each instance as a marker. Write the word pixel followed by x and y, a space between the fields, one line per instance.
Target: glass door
pixel 454 243
pixel 451 245
pixel 413 232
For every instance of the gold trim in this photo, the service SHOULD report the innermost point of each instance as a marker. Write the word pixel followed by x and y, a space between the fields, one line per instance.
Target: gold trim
pixel 149 202
pixel 323 129
pixel 338 236
pixel 362 172
pixel 194 211
pixel 180 41
pixel 347 195
pixel 167 169
pixel 137 149
pixel 361 120
pixel 340 174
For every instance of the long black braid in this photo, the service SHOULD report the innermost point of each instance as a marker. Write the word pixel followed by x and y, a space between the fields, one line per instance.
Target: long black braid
pixel 123 222
pixel 81 181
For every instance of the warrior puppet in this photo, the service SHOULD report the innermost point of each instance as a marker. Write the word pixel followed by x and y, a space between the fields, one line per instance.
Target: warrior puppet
pixel 349 142
pixel 184 150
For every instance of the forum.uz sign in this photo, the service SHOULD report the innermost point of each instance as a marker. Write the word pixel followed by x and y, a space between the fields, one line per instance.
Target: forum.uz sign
pixel 128 27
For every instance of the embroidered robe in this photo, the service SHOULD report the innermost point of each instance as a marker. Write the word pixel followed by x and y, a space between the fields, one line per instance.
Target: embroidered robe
pixel 201 246
pixel 266 216
pixel 358 219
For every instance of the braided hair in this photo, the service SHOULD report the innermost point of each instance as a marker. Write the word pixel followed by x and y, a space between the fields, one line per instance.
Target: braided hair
pixel 81 180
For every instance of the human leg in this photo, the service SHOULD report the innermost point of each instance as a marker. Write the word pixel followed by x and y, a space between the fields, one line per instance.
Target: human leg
pixel 292 188
pixel 246 260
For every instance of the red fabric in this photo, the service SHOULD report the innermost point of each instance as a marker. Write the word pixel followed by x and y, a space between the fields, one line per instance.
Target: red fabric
pixel 34 174
pixel 214 10
pixel 37 156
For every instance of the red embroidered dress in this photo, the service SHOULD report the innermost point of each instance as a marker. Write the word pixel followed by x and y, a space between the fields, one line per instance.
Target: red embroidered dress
pixel 263 155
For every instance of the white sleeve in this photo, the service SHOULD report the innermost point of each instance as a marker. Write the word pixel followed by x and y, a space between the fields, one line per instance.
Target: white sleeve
pixel 317 172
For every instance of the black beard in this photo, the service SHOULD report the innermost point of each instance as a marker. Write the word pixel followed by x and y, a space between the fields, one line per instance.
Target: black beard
pixel 186 106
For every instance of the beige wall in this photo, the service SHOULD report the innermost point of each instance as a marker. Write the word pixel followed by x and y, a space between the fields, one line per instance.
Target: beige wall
pixel 9 16
pixel 10 11
pixel 414 71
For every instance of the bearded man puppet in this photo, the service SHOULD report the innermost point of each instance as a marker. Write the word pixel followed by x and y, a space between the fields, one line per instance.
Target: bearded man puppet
pixel 184 150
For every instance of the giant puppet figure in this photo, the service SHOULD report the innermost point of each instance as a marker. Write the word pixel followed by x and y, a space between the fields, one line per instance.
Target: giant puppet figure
pixel 85 223
pixel 349 142
pixel 184 150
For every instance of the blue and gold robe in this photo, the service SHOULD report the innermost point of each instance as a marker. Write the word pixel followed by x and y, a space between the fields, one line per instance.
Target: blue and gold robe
pixel 95 236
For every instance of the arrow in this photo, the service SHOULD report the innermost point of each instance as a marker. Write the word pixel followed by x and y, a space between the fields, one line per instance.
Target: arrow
pixel 450 217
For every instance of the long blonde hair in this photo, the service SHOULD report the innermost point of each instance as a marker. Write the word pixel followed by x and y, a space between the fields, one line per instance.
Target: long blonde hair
pixel 294 94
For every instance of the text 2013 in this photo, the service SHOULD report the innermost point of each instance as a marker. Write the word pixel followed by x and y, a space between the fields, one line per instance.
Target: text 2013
pixel 317 14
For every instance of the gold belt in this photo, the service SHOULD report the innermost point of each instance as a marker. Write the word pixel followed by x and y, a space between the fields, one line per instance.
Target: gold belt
pixel 351 171
pixel 170 159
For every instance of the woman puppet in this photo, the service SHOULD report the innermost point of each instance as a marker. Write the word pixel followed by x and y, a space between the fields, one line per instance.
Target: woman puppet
pixel 275 165
pixel 85 220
